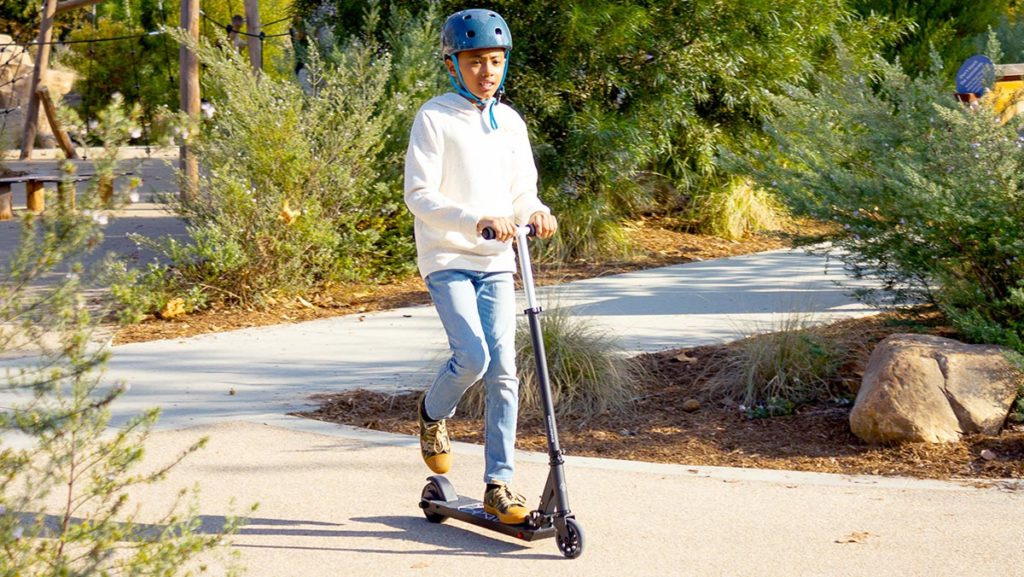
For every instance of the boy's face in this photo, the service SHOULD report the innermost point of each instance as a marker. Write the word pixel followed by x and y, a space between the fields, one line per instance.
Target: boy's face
pixel 481 70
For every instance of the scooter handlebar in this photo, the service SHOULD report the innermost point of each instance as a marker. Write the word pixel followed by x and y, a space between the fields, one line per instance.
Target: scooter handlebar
pixel 488 233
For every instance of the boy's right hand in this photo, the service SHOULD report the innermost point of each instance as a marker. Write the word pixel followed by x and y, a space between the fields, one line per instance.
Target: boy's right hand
pixel 504 228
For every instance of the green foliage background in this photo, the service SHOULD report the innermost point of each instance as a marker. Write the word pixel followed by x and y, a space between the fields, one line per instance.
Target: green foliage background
pixel 143 69
pixel 629 101
pixel 926 193
pixel 20 19
pixel 947 26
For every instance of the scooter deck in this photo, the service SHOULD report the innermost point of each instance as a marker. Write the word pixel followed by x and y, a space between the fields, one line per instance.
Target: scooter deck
pixel 472 511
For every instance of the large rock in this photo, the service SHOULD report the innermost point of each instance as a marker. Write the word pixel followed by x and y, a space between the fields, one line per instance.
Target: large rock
pixel 16 66
pixel 932 389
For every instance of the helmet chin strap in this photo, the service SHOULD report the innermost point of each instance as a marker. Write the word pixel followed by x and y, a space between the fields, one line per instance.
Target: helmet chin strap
pixel 460 87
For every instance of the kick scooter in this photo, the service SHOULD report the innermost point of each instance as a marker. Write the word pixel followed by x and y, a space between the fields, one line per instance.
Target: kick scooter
pixel 552 518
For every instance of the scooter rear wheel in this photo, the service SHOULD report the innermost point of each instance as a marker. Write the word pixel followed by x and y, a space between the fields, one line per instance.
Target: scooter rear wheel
pixel 570 543
pixel 432 492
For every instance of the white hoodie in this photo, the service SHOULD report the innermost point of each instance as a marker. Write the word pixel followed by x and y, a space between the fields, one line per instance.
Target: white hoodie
pixel 459 170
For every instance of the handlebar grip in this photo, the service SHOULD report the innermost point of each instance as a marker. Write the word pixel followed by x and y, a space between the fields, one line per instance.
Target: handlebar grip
pixel 488 233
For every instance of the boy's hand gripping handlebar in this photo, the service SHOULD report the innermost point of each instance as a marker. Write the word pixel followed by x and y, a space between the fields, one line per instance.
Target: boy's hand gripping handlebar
pixel 488 233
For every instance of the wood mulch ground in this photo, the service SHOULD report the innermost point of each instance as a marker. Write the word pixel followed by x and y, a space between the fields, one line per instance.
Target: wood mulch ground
pixel 659 429
pixel 656 428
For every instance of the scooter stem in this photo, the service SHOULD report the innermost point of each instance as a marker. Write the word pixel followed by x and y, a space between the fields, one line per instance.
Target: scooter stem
pixel 525 268
pixel 555 494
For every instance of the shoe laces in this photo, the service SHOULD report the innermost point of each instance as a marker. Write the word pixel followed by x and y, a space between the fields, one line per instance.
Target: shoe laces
pixel 507 497
pixel 438 434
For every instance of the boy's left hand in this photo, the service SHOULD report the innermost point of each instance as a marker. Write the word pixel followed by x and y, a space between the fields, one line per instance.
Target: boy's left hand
pixel 544 224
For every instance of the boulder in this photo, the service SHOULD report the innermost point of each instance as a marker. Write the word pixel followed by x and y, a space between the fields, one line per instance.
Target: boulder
pixel 16 66
pixel 932 389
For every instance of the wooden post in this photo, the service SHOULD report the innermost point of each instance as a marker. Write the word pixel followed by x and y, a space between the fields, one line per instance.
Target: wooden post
pixel 35 194
pixel 28 135
pixel 6 201
pixel 252 27
pixel 189 86
pixel 58 130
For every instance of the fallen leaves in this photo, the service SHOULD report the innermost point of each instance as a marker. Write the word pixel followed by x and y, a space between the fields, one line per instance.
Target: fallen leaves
pixel 172 309
pixel 856 537
pixel 288 214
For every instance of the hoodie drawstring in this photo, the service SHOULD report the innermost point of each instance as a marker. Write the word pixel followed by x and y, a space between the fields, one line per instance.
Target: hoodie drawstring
pixel 490 102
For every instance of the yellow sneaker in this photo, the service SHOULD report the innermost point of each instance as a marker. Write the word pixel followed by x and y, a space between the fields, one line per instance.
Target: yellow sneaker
pixel 505 504
pixel 434 444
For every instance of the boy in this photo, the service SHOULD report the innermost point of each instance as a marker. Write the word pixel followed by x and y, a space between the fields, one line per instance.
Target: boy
pixel 469 166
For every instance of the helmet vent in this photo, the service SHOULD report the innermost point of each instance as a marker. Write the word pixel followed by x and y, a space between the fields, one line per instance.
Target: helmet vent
pixel 497 31
pixel 470 33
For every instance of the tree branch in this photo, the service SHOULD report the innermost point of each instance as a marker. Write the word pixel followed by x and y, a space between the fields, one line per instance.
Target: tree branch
pixel 72 4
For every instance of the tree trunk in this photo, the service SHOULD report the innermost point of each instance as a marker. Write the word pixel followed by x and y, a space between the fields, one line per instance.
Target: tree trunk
pixel 58 130
pixel 252 27
pixel 28 135
pixel 189 95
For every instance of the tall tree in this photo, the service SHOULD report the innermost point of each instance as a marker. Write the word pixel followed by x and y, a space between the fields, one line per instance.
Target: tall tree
pixel 20 19
pixel 948 26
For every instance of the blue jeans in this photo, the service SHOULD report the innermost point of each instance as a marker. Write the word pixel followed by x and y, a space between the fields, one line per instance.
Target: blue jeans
pixel 478 312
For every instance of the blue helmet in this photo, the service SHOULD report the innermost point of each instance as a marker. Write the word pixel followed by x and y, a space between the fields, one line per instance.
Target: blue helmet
pixel 473 29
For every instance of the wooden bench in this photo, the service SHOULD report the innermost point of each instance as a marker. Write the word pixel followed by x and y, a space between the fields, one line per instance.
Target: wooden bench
pixel 35 193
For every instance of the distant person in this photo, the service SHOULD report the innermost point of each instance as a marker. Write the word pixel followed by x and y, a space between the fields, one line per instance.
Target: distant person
pixel 469 166
pixel 300 50
pixel 237 40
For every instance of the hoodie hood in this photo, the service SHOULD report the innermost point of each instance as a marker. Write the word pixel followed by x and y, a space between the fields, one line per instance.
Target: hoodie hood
pixel 456 102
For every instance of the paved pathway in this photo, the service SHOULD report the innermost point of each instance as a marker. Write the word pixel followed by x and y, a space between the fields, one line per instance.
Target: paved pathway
pixel 235 375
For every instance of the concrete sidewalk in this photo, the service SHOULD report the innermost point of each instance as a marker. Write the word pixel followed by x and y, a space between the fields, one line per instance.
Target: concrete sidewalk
pixel 338 500
pixel 334 501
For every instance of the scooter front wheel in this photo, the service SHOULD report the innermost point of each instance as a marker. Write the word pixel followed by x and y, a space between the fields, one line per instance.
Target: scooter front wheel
pixel 433 492
pixel 570 543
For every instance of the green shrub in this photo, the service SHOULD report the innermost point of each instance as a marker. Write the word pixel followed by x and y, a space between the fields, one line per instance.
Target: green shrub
pixel 151 290
pixel 290 199
pixel 585 229
pixel 588 373
pixel 64 501
pixel 926 192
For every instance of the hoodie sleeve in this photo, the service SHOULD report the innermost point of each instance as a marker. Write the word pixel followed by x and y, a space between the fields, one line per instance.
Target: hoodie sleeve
pixel 423 166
